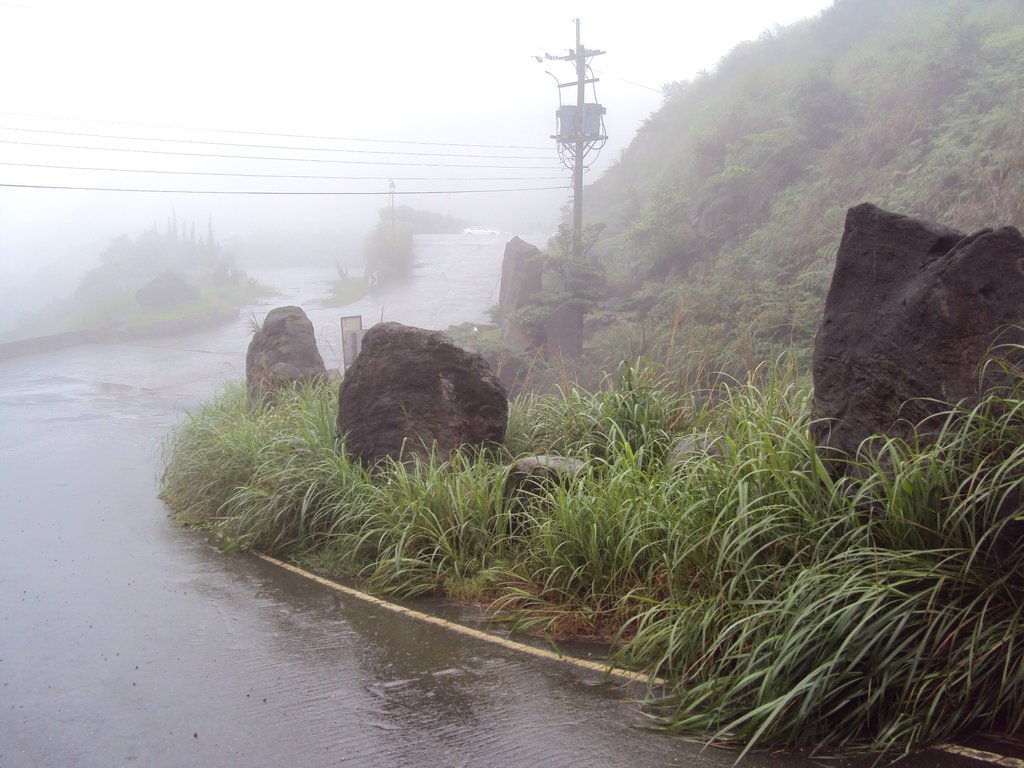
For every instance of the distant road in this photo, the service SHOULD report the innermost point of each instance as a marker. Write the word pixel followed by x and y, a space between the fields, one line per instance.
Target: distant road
pixel 455 280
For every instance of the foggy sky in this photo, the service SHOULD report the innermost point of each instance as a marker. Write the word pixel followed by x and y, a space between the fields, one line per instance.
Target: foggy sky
pixel 458 73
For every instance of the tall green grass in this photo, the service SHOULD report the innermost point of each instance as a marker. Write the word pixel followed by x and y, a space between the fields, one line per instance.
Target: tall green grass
pixel 269 479
pixel 877 613
pixel 785 606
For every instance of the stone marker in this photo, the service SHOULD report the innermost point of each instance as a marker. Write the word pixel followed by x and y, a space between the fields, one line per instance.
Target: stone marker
pixel 533 474
pixel 695 447
pixel 411 390
pixel 282 353
pixel 912 313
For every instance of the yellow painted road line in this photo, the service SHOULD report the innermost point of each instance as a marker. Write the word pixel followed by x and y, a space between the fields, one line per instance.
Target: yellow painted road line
pixel 980 754
pixel 594 666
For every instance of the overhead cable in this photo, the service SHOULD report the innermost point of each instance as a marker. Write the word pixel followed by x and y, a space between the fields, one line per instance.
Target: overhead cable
pixel 276 135
pixel 615 77
pixel 262 157
pixel 270 193
pixel 280 175
pixel 269 146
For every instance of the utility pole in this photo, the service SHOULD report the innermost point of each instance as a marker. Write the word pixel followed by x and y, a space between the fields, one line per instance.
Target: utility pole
pixel 580 128
pixel 577 168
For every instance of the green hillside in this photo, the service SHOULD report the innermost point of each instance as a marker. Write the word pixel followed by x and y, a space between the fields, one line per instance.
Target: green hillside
pixel 723 217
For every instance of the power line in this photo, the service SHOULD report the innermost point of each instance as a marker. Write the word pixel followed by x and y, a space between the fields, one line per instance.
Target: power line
pixel 267 192
pixel 614 77
pixel 275 135
pixel 280 175
pixel 270 146
pixel 262 157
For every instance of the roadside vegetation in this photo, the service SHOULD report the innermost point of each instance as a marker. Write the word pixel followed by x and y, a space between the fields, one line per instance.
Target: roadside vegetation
pixel 346 290
pixel 785 607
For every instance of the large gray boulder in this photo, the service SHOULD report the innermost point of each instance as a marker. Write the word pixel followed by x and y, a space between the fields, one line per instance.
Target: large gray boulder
pixel 912 314
pixel 281 354
pixel 522 269
pixel 412 390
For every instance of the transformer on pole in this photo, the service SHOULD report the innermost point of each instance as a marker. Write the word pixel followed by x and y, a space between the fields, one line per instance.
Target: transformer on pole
pixel 579 129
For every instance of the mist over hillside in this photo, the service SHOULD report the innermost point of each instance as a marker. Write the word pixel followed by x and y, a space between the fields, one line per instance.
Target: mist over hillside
pixel 722 218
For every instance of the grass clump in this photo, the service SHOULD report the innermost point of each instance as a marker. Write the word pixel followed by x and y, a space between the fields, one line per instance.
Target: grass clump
pixel 876 614
pixel 785 606
pixel 270 479
pixel 346 290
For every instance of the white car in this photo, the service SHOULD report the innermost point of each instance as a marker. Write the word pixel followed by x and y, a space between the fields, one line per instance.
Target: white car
pixel 480 231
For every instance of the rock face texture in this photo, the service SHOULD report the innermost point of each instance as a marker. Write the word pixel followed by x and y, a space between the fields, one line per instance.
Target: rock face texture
pixel 411 390
pixel 282 353
pixel 912 314
pixel 521 281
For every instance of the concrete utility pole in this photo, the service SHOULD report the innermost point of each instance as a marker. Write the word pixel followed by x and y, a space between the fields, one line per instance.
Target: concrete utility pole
pixel 577 168
pixel 580 127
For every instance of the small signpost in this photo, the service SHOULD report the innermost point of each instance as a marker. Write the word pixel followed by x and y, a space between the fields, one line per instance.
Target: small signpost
pixel 351 339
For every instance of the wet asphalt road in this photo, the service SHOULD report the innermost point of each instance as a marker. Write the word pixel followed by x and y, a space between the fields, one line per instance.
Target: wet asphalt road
pixel 125 641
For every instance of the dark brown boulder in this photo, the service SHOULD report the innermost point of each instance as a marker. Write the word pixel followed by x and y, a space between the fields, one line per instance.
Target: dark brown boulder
pixel 912 313
pixel 411 390
pixel 282 353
